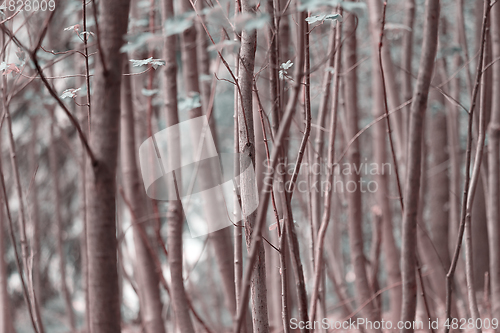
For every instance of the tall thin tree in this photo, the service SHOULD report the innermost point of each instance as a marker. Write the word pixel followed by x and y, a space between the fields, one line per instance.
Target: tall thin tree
pixel 145 270
pixel 391 252
pixel 247 186
pixel 101 184
pixel 355 210
pixel 413 170
pixel 494 170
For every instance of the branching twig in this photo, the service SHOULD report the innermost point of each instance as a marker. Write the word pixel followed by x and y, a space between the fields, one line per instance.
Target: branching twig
pixel 376 120
pixel 458 245
pixel 469 266
pixel 267 188
pixel 225 64
pixel 52 92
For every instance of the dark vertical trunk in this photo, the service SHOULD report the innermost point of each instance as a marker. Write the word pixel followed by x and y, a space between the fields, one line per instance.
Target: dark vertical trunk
pixel 412 185
pixel 355 211
pixel 175 216
pixel 101 184
pixel 480 242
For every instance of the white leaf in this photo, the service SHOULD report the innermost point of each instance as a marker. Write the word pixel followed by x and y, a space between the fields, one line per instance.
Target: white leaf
pixel 70 93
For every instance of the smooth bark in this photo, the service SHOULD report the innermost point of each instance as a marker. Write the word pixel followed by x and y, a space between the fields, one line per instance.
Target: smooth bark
pixel 247 150
pixel 101 185
pixel 391 252
pixel 355 211
pixel 494 170
pixel 195 62
pixel 412 185
pixel 175 215
pixel 145 270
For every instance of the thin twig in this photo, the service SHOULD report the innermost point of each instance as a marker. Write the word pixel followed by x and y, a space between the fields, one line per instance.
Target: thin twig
pixel 225 64
pixel 15 14
pixel 389 131
pixel 267 188
pixel 458 245
pixel 52 92
pixel 376 120
pixel 264 134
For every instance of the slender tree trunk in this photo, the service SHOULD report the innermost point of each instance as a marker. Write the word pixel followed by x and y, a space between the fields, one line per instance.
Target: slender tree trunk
pixel 406 61
pixel 411 194
pixel 5 303
pixel 284 42
pixel 145 270
pixel 454 152
pixel 494 171
pixel 175 216
pixel 279 284
pixel 83 211
pixel 479 216
pixel 177 291
pixel 247 186
pixel 374 257
pixel 475 181
pixel 238 230
pixel 53 159
pixel 318 254
pixel 355 211
pixel 479 209
pixel 267 188
pixel 426 254
pixel 438 176
pixel 391 252
pixel 35 216
pixel 33 309
pixel 375 11
pixel 315 155
pixel 272 37
pixel 203 58
pixel 101 184
pixel 220 240
pixel 393 101
pixel 434 246
pixel 194 64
